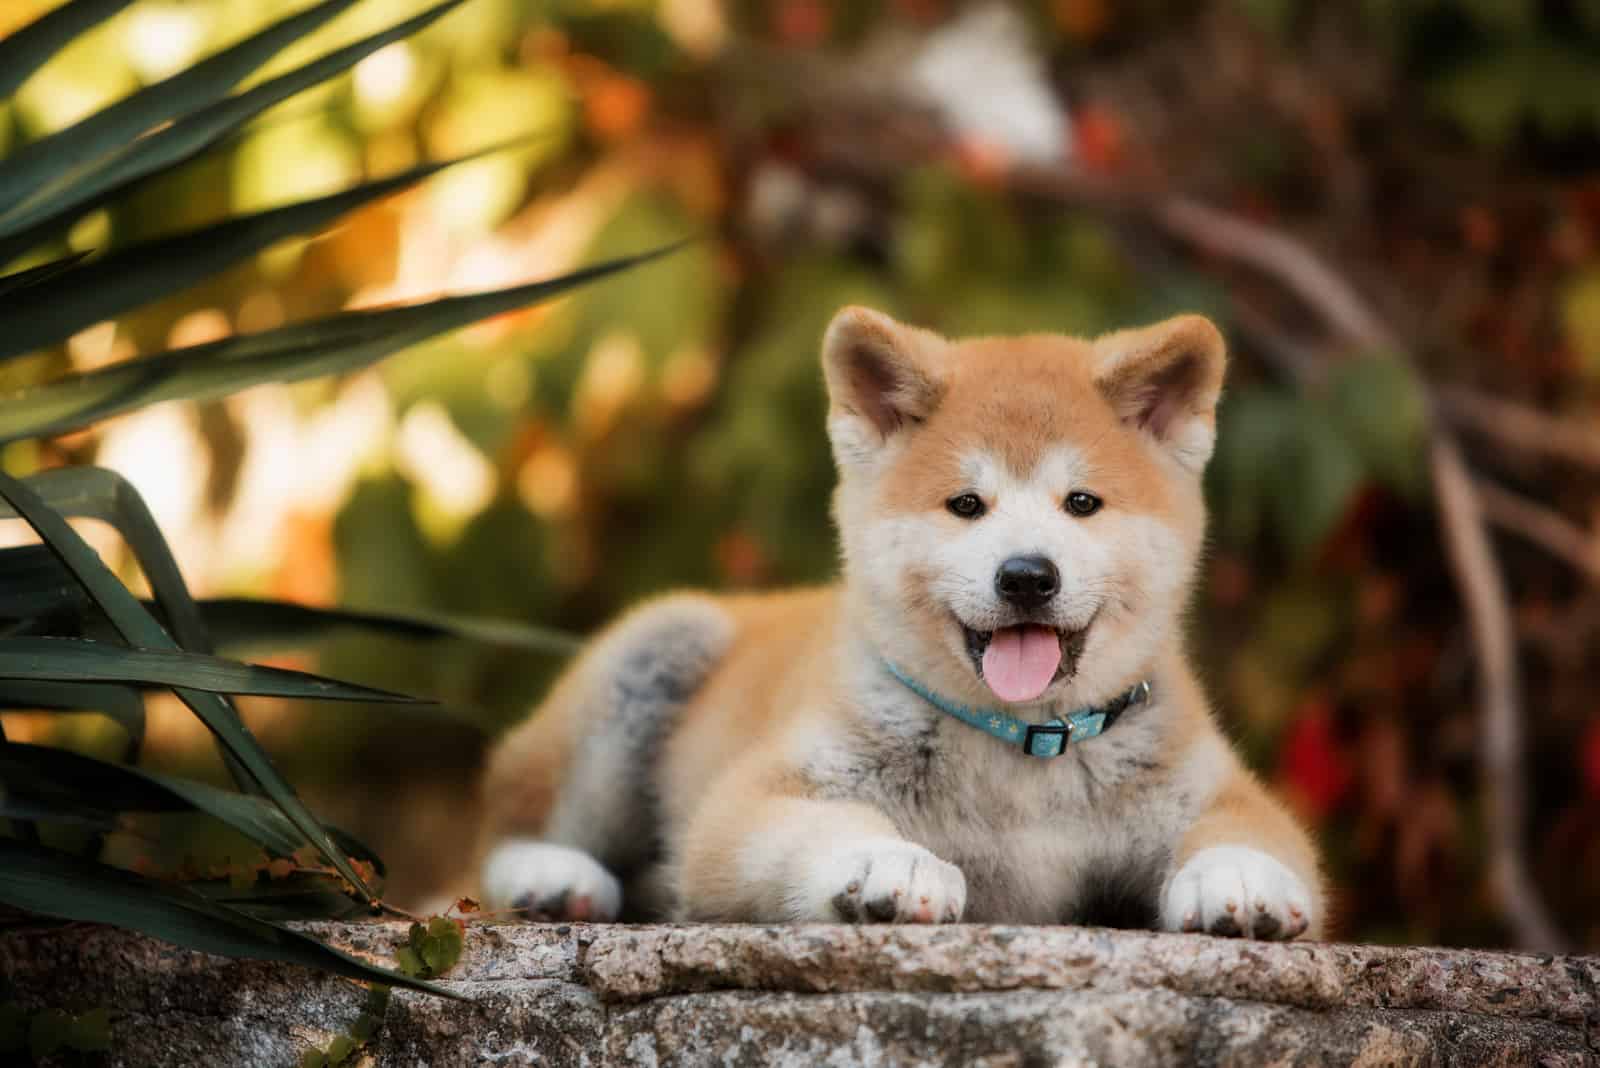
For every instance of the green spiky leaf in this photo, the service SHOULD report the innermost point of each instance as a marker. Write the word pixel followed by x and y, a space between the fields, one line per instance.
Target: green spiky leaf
pixel 122 704
pixel 31 47
pixel 81 660
pixel 25 222
pixel 138 627
pixel 242 622
pixel 37 165
pixel 55 309
pixel 56 884
pixel 97 493
pixel 334 345
pixel 17 281
pixel 72 785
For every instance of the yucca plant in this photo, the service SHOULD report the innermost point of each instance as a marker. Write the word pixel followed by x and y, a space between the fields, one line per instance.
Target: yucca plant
pixel 72 636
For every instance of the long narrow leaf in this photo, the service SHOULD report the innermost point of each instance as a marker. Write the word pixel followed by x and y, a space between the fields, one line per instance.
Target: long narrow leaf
pixel 242 622
pixel 302 895
pixel 121 703
pixel 98 493
pixel 36 585
pixel 56 309
pixel 287 354
pixel 46 776
pixel 79 660
pixel 23 224
pixel 31 47
pixel 139 628
pixel 51 883
pixel 13 807
pixel 112 129
pixel 20 280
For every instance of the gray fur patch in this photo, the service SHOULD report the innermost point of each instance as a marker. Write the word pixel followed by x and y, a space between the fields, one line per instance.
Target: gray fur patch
pixel 644 674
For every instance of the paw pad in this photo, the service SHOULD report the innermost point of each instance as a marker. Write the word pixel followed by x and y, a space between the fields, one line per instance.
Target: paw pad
pixel 887 881
pixel 1205 895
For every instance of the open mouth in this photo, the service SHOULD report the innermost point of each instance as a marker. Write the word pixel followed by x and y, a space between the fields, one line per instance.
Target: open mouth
pixel 1020 662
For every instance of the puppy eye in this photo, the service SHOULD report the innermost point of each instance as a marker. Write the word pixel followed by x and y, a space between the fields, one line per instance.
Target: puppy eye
pixel 1083 504
pixel 965 505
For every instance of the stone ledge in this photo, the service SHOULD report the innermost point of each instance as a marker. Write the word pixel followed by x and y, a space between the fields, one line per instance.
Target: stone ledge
pixel 604 995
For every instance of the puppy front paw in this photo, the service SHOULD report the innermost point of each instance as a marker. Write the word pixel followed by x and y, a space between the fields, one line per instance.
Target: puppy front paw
pixel 549 881
pixel 1237 892
pixel 883 880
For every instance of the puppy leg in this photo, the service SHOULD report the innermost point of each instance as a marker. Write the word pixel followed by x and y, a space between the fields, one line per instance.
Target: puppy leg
pixel 1244 869
pixel 768 854
pixel 548 880
pixel 569 794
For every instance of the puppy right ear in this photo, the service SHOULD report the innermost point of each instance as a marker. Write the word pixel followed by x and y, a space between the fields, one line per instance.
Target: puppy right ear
pixel 879 376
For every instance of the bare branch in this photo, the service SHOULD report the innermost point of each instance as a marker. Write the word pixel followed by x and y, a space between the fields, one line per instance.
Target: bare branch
pixel 1284 258
pixel 1500 686
pixel 1521 427
pixel 1477 571
pixel 1554 533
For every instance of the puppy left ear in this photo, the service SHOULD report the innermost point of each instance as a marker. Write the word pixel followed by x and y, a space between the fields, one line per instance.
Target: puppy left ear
pixel 881 376
pixel 1165 381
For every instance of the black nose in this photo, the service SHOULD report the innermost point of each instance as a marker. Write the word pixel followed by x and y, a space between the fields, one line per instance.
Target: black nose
pixel 1027 581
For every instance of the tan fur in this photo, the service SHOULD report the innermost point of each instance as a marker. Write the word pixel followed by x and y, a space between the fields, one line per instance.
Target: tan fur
pixel 793 762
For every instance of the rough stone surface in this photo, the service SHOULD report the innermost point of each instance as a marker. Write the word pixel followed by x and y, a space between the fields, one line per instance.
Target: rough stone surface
pixel 990 996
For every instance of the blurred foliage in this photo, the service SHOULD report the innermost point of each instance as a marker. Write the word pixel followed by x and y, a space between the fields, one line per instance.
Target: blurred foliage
pixel 666 429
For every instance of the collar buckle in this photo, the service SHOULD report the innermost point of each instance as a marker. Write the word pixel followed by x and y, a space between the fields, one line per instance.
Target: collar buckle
pixel 1052 739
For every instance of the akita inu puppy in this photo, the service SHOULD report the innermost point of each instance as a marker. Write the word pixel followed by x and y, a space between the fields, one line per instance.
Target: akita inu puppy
pixel 990 718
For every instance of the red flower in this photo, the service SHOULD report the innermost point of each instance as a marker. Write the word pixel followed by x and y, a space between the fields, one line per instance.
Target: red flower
pixel 1312 765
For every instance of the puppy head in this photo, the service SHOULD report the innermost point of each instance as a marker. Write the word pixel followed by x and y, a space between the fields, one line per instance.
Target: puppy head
pixel 1020 517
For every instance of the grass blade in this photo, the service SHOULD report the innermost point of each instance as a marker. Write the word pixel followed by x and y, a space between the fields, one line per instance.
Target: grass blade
pixel 31 47
pixel 110 130
pixel 237 622
pixel 81 660
pixel 51 883
pixel 58 308
pixel 139 628
pixel 24 223
pixel 303 350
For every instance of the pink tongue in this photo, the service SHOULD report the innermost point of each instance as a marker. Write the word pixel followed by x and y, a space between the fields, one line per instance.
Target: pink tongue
pixel 1021 661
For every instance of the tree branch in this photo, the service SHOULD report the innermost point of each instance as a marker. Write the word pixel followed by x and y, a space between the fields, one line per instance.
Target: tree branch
pixel 1477 572
pixel 1555 534
pixel 1520 427
pixel 1483 592
pixel 1287 260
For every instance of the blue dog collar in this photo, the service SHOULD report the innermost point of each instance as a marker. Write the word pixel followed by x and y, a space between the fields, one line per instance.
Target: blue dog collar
pixel 1048 739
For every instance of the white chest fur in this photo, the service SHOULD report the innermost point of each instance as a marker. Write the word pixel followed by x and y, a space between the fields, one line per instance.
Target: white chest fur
pixel 1084 837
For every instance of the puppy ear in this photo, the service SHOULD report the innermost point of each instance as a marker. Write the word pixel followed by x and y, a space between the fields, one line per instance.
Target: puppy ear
pixel 879 377
pixel 1165 381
